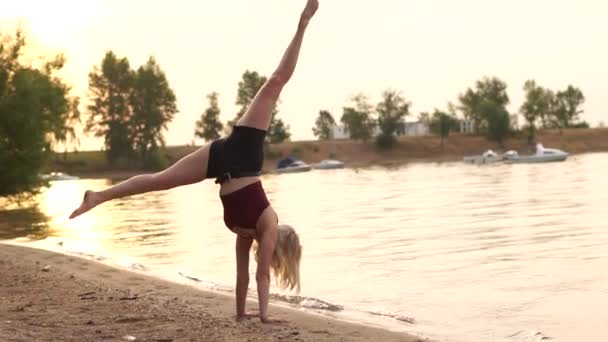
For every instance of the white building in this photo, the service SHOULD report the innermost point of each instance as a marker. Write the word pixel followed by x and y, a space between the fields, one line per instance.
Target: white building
pixel 339 132
pixel 416 129
pixel 407 129
pixel 514 118
pixel 467 126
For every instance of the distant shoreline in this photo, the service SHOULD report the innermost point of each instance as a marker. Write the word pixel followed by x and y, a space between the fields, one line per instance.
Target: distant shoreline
pixel 357 154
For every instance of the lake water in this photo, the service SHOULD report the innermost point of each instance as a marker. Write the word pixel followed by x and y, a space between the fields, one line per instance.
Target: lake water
pixel 470 253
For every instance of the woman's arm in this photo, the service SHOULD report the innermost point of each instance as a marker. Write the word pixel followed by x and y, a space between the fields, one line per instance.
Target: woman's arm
pixel 262 276
pixel 242 274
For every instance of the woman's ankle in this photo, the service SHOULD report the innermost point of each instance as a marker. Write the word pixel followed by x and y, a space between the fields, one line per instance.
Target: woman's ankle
pixel 98 197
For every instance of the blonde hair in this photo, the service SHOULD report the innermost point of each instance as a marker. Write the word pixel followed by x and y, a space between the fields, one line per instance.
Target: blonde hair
pixel 285 263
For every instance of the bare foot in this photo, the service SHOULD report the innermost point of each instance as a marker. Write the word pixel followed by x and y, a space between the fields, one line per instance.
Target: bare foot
pixel 309 11
pixel 247 316
pixel 273 321
pixel 91 200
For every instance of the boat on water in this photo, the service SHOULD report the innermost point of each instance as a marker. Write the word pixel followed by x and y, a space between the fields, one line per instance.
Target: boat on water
pixel 542 155
pixel 328 164
pixel 292 164
pixel 487 157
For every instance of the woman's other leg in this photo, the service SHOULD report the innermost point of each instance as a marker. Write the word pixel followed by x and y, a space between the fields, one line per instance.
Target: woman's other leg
pixel 188 170
pixel 259 112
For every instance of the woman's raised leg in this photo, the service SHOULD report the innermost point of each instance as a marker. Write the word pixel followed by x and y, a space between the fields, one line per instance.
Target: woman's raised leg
pixel 188 170
pixel 259 112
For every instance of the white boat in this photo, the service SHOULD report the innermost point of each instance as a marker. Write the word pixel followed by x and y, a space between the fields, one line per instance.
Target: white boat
pixel 292 164
pixel 328 164
pixel 297 166
pixel 542 155
pixel 487 157
pixel 58 176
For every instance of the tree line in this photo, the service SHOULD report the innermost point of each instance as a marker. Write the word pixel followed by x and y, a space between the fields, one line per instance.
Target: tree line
pixel 484 106
pixel 130 109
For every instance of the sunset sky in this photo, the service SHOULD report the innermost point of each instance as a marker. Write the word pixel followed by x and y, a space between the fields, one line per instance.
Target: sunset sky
pixel 431 50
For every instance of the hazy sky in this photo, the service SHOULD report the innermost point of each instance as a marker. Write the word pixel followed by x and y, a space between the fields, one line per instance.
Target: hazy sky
pixel 431 50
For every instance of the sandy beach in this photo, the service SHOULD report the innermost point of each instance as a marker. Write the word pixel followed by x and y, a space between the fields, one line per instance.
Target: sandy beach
pixel 46 296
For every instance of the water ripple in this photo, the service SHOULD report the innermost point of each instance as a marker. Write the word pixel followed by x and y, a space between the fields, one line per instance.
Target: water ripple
pixel 496 252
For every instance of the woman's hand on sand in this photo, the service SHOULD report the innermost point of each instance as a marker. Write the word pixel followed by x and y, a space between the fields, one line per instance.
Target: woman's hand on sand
pixel 91 200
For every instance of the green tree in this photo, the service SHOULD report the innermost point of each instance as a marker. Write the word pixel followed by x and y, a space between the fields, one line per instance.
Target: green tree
pixel 469 106
pixel 392 111
pixel 425 118
pixel 67 133
pixel 248 87
pixel 537 106
pixel 486 90
pixel 493 89
pixel 152 106
pixel 278 131
pixel 110 87
pixel 567 109
pixel 498 121
pixel 209 127
pixel 452 109
pixel 441 123
pixel 357 119
pixel 36 112
pixel 323 125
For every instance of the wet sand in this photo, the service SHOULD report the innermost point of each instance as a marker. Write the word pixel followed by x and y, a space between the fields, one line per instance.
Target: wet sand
pixel 46 296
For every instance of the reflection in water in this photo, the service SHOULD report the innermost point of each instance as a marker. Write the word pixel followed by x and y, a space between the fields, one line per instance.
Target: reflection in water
pixel 472 253
pixel 22 222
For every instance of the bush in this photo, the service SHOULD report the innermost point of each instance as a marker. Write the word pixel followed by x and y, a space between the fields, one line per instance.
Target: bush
pixel 581 125
pixel 385 141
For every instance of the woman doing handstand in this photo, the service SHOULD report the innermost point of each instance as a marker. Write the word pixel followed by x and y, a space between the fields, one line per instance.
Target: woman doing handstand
pixel 236 162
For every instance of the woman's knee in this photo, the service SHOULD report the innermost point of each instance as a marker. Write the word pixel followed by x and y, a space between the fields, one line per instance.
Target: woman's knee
pixel 157 181
pixel 274 85
pixel 188 170
pixel 276 80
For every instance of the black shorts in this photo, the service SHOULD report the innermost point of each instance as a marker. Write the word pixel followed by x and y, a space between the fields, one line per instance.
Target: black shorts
pixel 241 154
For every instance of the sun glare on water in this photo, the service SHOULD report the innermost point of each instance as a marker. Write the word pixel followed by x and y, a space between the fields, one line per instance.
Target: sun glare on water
pixel 80 234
